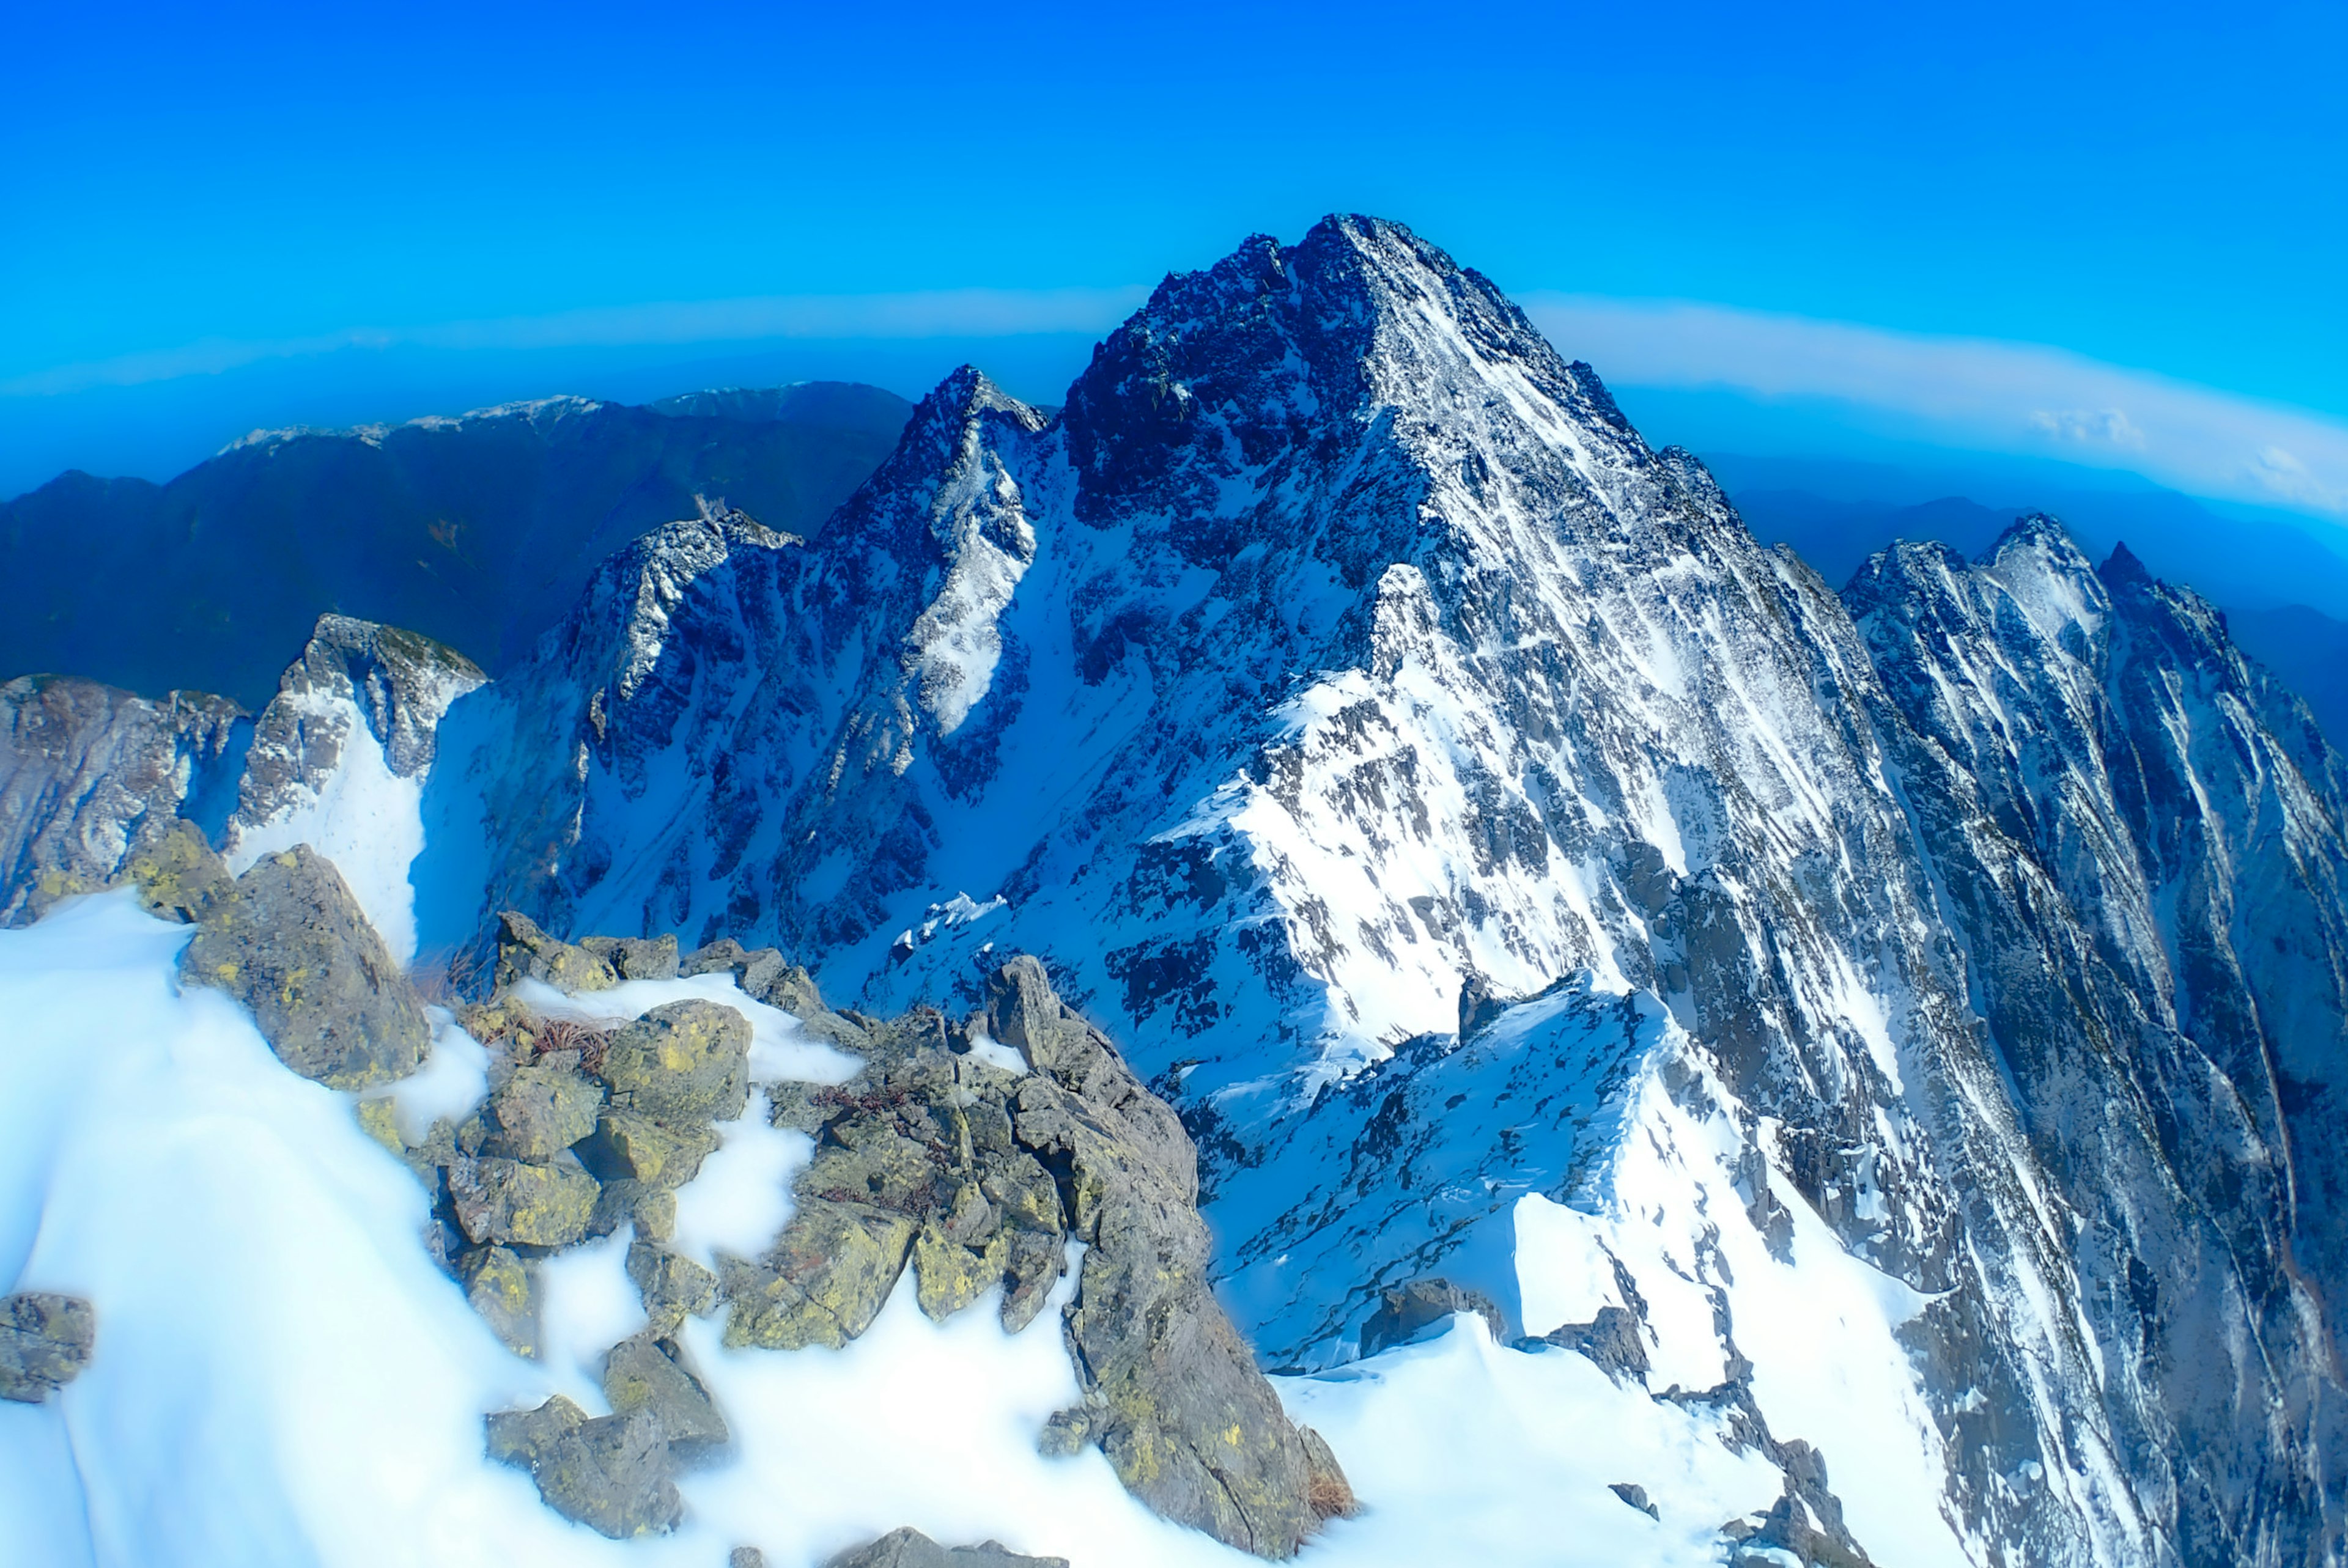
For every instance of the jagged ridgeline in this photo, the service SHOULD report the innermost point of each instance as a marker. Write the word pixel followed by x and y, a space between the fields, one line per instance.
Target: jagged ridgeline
pixel 1898 1035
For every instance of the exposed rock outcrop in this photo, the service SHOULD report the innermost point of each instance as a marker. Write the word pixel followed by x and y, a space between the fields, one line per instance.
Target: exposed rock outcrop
pixel 908 1548
pixel 45 1340
pixel 978 1176
pixel 1405 1310
pixel 289 941
pixel 90 776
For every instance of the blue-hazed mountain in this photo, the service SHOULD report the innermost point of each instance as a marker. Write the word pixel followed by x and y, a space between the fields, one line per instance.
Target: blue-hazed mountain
pixel 1916 1013
pixel 478 531
pixel 2285 592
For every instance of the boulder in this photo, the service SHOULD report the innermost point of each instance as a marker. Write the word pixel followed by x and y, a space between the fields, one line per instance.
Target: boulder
pixel 288 941
pixel 626 1146
pixel 517 1201
pixel 527 952
pixel 625 1200
pixel 824 1281
pixel 176 875
pixel 44 1342
pixel 908 1548
pixel 1612 1339
pixel 1635 1495
pixel 636 958
pixel 613 1473
pixel 674 1286
pixel 648 1374
pixel 1405 1310
pixel 540 1110
pixel 502 1288
pixel 686 1062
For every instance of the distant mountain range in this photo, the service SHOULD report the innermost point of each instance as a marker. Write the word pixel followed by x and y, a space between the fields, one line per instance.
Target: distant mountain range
pixel 478 530
pixel 2284 593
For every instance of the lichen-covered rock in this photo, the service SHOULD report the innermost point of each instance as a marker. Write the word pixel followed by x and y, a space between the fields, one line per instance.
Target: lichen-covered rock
pixel 625 1200
pixel 613 1473
pixel 636 958
pixel 517 1201
pixel 177 874
pixel 628 1146
pixel 646 1374
pixel 288 941
pixel 1406 1310
pixel 826 1279
pixel 527 953
pixel 538 1111
pixel 980 1176
pixel 1172 1395
pixel 908 1548
pixel 44 1342
pixel 502 1288
pixel 674 1286
pixel 687 1061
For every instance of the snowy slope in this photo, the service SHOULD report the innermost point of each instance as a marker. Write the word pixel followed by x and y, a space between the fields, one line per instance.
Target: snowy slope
pixel 1340 656
pixel 263 1288
pixel 338 760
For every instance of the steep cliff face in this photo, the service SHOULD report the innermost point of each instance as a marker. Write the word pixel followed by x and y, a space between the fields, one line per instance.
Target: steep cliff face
pixel 90 774
pixel 2136 838
pixel 1516 872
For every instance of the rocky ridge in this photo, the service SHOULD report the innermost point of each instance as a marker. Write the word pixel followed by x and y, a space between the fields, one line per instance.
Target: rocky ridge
pixel 976 1154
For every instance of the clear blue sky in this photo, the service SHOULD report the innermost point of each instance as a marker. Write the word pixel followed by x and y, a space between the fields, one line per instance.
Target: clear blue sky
pixel 2156 187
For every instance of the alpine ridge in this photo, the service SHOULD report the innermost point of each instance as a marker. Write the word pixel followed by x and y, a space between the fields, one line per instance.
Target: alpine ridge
pixel 1895 1036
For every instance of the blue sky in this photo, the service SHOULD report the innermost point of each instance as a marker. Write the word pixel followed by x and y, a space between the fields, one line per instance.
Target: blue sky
pixel 215 214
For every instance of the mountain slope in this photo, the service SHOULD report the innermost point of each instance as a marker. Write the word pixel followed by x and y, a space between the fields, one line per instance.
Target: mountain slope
pixel 477 531
pixel 1340 665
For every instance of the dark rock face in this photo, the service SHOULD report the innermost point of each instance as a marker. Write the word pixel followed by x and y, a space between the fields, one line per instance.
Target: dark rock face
pixel 908 1548
pixel 288 941
pixel 1405 1310
pixel 90 776
pixel 45 1340
pixel 977 1177
pixel 1612 1339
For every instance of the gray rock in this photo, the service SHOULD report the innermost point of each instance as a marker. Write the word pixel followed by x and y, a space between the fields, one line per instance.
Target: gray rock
pixel 646 1374
pixel 626 1146
pixel 1631 1492
pixel 613 1473
pixel 625 1200
pixel 504 1290
pixel 44 1342
pixel 519 1203
pixel 90 774
pixel 674 1286
pixel 526 952
pixel 1405 1310
pixel 289 941
pixel 636 958
pixel 908 1548
pixel 541 1111
pixel 1612 1339
pixel 177 874
pixel 688 1061
pixel 745 1557
pixel 978 1178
